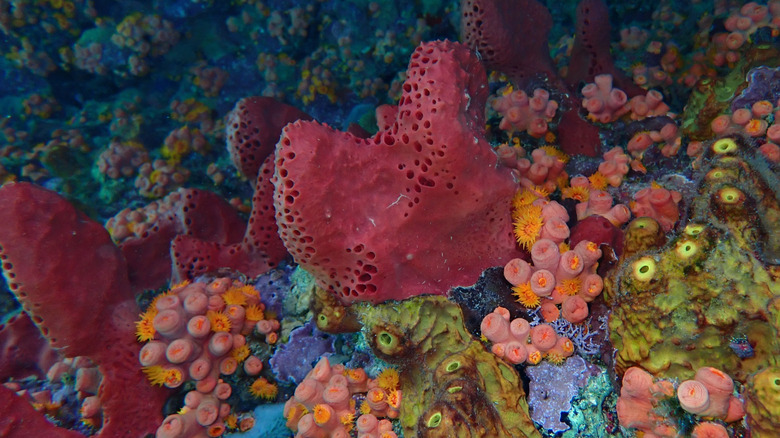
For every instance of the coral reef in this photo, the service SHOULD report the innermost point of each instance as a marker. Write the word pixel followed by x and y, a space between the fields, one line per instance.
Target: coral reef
pixel 197 332
pixel 325 400
pixel 565 225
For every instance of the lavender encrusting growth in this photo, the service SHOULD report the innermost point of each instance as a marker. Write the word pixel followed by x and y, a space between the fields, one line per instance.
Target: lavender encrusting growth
pixel 293 360
pixel 273 286
pixel 553 387
pixel 763 84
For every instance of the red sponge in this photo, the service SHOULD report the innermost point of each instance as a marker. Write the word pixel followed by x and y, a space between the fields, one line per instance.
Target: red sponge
pixel 510 36
pixel 259 250
pixel 253 128
pixel 418 208
pixel 199 214
pixel 72 281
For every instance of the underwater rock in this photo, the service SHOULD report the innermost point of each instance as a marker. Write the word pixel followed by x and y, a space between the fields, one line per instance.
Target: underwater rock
pixel 452 386
pixel 294 359
pixel 676 308
pixel 763 402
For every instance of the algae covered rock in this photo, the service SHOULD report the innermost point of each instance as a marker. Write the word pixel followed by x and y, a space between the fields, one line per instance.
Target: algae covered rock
pixel 678 308
pixel 763 402
pixel 451 386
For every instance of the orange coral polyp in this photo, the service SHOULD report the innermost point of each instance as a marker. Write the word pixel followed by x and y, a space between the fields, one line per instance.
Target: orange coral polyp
pixel 246 424
pixel 336 393
pixel 570 265
pixel 168 322
pixel 322 413
pixel 218 286
pixel 228 366
pixel 574 262
pixel 693 396
pixel 571 286
pixel 709 430
pixel 543 337
pixel 375 395
pixel 198 326
pixel 566 345
pixel 240 353
pixel 578 193
pixel 528 225
pixel 219 321
pixel 756 127
pixel 598 181
pixel 144 329
pixel 234 310
pixel 394 399
pixel 151 353
pixel 522 198
pixel 388 379
pixel 542 282
pixel 526 296
pixel 535 357
pixel 179 350
pixel 354 374
pixel 574 309
pixel 515 353
pixel 216 430
pixel 155 374
pixel 153 305
pixel 220 343
pixel 231 421
pixel 173 378
pixel 555 358
pixel 254 313
pixel 261 388
pixel 234 296
pixel 297 410
pixel 347 419
pixel 170 377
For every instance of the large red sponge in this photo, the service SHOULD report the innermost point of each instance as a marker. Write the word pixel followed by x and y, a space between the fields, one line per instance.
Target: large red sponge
pixel 253 128
pixel 510 36
pixel 418 208
pixel 68 275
